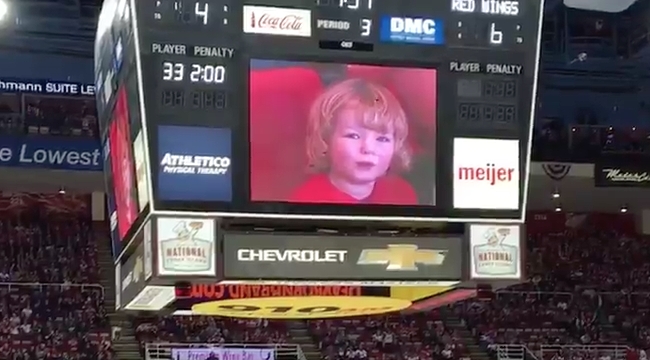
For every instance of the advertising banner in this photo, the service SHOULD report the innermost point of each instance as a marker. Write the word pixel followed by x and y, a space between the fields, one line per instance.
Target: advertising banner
pixel 224 354
pixel 148 251
pixel 118 282
pixel 186 247
pixel 277 21
pixel 141 174
pixel 32 86
pixel 486 174
pixel 609 174
pixel 194 163
pixel 495 251
pixel 309 257
pixel 122 166
pixel 132 280
pixel 398 29
pixel 77 154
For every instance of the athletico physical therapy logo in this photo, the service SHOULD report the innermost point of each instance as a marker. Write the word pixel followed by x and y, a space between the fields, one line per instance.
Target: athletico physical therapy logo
pixel 194 163
pixel 486 174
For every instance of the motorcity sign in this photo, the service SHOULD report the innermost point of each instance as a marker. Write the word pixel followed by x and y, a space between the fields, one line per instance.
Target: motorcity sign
pixel 622 173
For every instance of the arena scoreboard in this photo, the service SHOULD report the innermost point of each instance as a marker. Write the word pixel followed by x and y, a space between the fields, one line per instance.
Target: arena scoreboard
pixel 315 110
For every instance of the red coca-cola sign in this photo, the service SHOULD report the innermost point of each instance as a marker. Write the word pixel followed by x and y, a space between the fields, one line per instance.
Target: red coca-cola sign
pixel 277 21
pixel 288 22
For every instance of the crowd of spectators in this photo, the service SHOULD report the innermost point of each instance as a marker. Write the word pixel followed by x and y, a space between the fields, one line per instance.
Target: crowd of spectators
pixel 22 114
pixel 207 329
pixel 51 306
pixel 576 294
pixel 393 337
pixel 588 285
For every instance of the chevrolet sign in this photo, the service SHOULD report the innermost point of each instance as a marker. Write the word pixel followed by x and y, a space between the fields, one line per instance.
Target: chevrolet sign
pixel 272 258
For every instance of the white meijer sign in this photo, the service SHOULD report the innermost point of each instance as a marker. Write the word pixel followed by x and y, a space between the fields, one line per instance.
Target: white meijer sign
pixel 495 251
pixel 186 246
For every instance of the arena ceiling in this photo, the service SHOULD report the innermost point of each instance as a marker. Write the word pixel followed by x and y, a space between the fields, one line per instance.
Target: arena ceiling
pixel 610 6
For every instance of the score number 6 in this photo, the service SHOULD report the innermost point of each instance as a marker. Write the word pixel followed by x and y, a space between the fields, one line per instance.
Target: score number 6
pixel 366 27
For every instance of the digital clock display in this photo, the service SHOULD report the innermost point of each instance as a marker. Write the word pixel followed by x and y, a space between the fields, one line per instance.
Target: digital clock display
pixel 486 114
pixel 190 12
pixel 195 100
pixel 194 73
pixel 487 88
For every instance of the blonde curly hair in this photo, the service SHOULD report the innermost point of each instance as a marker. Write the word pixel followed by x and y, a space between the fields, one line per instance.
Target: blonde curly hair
pixel 374 104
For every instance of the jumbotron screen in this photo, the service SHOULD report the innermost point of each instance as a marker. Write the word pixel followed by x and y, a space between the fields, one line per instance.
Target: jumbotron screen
pixel 327 109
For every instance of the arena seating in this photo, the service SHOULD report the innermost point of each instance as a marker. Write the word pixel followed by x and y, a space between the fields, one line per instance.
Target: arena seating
pixel 211 329
pixel 50 302
pixel 576 296
pixel 555 141
pixel 421 335
pixel 22 114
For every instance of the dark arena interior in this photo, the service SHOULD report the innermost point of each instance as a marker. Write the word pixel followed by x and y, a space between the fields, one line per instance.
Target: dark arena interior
pixel 314 180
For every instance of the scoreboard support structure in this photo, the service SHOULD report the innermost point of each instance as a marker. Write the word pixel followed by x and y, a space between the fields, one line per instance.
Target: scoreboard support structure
pixel 178 250
pixel 220 118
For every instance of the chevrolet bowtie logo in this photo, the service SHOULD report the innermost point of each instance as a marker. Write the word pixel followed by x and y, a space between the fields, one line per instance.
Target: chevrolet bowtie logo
pixel 402 257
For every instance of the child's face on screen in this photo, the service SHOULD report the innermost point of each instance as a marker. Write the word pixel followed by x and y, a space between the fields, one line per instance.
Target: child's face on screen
pixel 359 154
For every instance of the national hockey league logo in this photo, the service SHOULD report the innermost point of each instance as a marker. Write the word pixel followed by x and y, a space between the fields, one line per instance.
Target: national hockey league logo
pixel 186 246
pixel 495 251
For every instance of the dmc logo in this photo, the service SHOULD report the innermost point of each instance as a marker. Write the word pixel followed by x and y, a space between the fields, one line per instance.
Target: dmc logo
pixel 413 26
pixel 412 30
pixel 402 257
pixel 489 173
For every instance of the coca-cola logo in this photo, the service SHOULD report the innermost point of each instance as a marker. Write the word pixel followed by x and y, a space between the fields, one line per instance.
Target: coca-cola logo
pixel 289 22
pixel 277 21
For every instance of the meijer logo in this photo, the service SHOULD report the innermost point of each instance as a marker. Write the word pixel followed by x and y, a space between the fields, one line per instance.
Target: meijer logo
pixel 490 173
pixel 277 21
pixel 486 174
